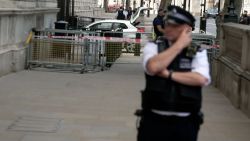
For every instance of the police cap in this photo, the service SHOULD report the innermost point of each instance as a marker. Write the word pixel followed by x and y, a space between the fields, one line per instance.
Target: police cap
pixel 177 15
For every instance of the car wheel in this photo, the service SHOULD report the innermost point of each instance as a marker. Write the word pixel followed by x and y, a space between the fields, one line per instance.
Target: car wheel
pixel 130 48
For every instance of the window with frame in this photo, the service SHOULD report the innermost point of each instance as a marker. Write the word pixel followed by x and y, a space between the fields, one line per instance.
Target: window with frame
pixel 105 25
pixel 120 25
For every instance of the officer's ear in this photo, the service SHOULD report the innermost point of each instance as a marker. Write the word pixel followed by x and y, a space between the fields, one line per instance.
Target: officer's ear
pixel 187 27
pixel 190 29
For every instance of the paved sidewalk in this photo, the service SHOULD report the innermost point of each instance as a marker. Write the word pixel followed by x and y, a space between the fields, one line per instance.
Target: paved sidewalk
pixel 96 106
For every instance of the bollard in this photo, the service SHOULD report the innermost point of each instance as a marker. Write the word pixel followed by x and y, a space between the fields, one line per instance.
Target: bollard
pixel 138 45
pixel 203 24
pixel 92 20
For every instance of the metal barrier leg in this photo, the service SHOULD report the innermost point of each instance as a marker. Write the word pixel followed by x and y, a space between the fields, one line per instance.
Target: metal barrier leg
pixel 138 45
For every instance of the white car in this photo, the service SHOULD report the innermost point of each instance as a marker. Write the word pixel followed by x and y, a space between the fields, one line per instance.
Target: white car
pixel 123 28
pixel 112 25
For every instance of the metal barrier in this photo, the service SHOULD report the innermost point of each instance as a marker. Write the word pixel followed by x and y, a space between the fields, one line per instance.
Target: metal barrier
pixel 207 40
pixel 212 51
pixel 73 50
pixel 65 50
pixel 119 42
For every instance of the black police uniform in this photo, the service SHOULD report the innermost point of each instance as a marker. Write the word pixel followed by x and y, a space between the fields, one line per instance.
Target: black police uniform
pixel 158 21
pixel 166 95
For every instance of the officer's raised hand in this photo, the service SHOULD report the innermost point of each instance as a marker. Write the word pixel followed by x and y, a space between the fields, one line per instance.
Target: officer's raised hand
pixel 185 38
pixel 180 37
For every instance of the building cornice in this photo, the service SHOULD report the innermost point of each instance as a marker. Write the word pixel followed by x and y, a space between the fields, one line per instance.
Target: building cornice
pixel 7 11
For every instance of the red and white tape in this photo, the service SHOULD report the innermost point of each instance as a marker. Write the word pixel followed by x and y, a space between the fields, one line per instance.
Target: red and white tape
pixel 79 38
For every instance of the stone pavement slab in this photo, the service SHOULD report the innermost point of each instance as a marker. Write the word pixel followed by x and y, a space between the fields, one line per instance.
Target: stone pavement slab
pixel 100 106
pixel 49 138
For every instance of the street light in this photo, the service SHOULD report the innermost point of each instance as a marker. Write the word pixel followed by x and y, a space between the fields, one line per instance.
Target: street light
pixel 149 2
pixel 184 4
pixel 73 8
pixel 219 6
pixel 205 4
pixel 134 4
pixel 189 5
pixel 203 18
pixel 141 3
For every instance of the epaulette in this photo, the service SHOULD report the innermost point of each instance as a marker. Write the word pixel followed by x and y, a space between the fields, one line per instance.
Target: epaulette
pixel 192 49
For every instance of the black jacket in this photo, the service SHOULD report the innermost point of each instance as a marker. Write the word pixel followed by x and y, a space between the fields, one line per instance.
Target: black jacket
pixel 167 95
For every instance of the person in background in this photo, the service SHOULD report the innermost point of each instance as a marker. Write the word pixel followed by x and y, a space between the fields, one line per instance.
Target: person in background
pixel 245 19
pixel 121 14
pixel 130 12
pixel 158 23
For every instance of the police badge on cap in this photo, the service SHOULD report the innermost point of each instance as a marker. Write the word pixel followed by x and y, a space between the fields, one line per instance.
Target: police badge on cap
pixel 177 15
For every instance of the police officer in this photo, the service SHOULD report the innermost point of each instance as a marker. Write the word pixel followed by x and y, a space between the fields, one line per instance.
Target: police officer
pixel 244 19
pixel 158 23
pixel 121 14
pixel 175 75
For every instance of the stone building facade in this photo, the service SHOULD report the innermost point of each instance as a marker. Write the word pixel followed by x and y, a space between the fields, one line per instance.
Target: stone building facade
pixel 231 69
pixel 246 6
pixel 87 8
pixel 154 4
pixel 195 5
pixel 17 18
